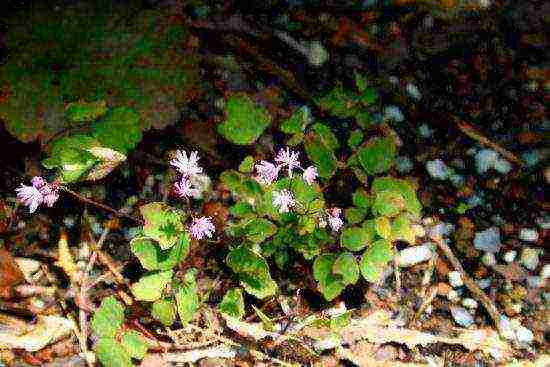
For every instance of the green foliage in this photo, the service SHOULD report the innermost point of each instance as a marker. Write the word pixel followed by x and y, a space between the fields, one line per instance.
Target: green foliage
pixel 357 238
pixel 355 138
pixel 245 121
pixel 187 298
pixel 135 344
pixel 378 155
pixel 108 318
pixel 163 224
pixel 111 353
pixel 375 259
pixel 320 145
pixel 59 57
pixel 267 323
pixel 233 303
pixel 298 122
pixel 253 272
pixel 334 273
pixel 402 187
pixel 152 257
pixel 247 164
pixel 164 310
pixel 151 285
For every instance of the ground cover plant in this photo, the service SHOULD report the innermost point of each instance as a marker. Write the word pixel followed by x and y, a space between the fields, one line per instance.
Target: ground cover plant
pixel 181 194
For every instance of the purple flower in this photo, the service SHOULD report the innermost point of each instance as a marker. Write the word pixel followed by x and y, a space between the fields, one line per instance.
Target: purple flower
pixel 284 200
pixel 50 193
pixel 188 166
pixel 38 182
pixel 30 196
pixel 288 158
pixel 201 227
pixel 185 189
pixel 267 172
pixel 310 174
pixel 334 219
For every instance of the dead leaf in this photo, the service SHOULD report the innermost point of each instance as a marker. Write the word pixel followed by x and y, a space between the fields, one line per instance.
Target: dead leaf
pixel 10 274
pixel 47 330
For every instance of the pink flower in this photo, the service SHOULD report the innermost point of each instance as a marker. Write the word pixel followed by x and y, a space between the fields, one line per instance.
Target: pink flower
pixel 30 196
pixel 188 166
pixel 50 193
pixel 334 219
pixel 201 227
pixel 267 172
pixel 185 189
pixel 310 174
pixel 288 158
pixel 284 200
pixel 38 182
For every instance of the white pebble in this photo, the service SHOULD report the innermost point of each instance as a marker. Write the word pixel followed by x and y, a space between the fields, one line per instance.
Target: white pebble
pixel 489 259
pixel 418 230
pixel 469 303
pixel 510 256
pixel 440 230
pixel 485 160
pixel 484 283
pixel 528 235
pixel 413 91
pixel 461 316
pixel 453 296
pixel 393 112
pixel 488 240
pixel 403 164
pixel 425 131
pixel 69 221
pixel 506 328
pixel 503 166
pixel 524 335
pixel 534 282
pixel 413 255
pixel 530 258
pixel 438 169
pixel 455 279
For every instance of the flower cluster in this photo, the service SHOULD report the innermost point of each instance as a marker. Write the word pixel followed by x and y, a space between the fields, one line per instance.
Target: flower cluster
pixel 268 172
pixel 40 192
pixel 189 186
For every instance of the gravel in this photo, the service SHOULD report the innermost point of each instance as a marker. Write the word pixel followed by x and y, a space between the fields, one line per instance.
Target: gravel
pixel 461 316
pixel 528 235
pixel 488 240
pixel 530 258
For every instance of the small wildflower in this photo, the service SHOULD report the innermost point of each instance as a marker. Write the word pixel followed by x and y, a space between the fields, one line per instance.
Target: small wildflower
pixel 50 193
pixel 30 196
pixel 288 158
pixel 188 166
pixel 310 174
pixel 201 227
pixel 284 200
pixel 334 219
pixel 185 189
pixel 267 172
pixel 38 182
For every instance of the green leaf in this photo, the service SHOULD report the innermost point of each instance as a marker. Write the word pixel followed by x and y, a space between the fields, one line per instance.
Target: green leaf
pixel 135 344
pixel 152 257
pixel 162 223
pixel 247 165
pixel 339 322
pixel 388 203
pixel 375 259
pixel 111 353
pixel 401 229
pixel 355 138
pixel 164 310
pixel 259 229
pixel 356 238
pixel 378 155
pixel 150 286
pixel 253 272
pixel 320 145
pixel 346 266
pixel 405 188
pixel 232 303
pixel 108 318
pixel 245 121
pixel 361 199
pixel 304 194
pixel 338 102
pixel 187 298
pixel 297 123
pixel 330 284
pixel 241 209
pixel 119 129
pixel 85 111
pixel 383 227
pixel 354 215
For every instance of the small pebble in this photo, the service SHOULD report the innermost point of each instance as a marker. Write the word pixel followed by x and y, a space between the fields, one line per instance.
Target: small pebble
pixel 413 255
pixel 453 296
pixel 403 164
pixel 484 283
pixel 488 240
pixel 425 131
pixel 413 91
pixel 506 328
pixel 528 235
pixel 524 335
pixel 502 166
pixel 418 230
pixel 489 259
pixel 69 221
pixel 461 316
pixel 530 258
pixel 457 180
pixel 485 160
pixel 455 279
pixel 393 112
pixel 534 282
pixel 510 256
pixel 469 303
pixel 438 169
pixel 441 230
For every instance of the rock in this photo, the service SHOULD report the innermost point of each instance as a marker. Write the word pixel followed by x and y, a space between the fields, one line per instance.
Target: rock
pixel 489 259
pixel 440 230
pixel 469 303
pixel 412 90
pixel 545 272
pixel 534 282
pixel 393 112
pixel 528 235
pixel 524 335
pixel 510 256
pixel 461 316
pixel 425 131
pixel 488 240
pixel 438 169
pixel 502 166
pixel 530 258
pixel 485 160
pixel 455 279
pixel 403 164
pixel 414 255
